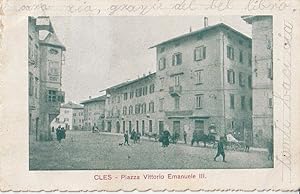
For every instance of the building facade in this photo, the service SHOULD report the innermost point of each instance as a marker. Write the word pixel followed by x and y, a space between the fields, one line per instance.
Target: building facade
pixel 45 56
pixel 204 80
pixel 132 106
pixel 94 113
pixel 262 57
pixel 70 117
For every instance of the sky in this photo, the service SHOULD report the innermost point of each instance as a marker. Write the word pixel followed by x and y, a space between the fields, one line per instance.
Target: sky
pixel 105 51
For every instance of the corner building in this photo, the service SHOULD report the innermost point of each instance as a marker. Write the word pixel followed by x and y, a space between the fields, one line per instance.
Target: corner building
pixel 204 79
pixel 45 56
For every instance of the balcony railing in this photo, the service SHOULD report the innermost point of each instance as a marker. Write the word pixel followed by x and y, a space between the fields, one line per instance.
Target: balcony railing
pixel 175 90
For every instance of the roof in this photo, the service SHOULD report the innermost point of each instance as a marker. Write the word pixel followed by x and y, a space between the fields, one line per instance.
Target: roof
pixel 51 39
pixel 130 82
pixel 250 18
pixel 97 99
pixel 203 30
pixel 72 105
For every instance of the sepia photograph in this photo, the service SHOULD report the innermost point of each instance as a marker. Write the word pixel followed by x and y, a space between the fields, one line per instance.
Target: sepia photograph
pixel 150 92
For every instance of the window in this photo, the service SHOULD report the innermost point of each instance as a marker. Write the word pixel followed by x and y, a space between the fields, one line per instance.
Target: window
pixel 241 79
pixel 249 81
pixel 241 56
pixel 270 102
pixel 177 59
pixel 74 114
pixel 162 63
pixel 143 108
pixel 161 104
pixel 199 77
pixel 125 96
pixel 119 99
pixel 145 90
pixel 151 107
pixel 230 52
pixel 270 71
pixel 200 53
pixel 177 102
pixel 56 119
pixel 31 84
pixel 243 102
pixel 31 48
pixel 250 103
pixel 177 80
pixel 199 101
pixel 151 88
pixel 250 60
pixel 162 80
pixel 130 110
pixel 230 76
pixel 51 96
pixel 131 94
pixel 232 101
pixel 124 110
pixel 150 126
pixel 137 109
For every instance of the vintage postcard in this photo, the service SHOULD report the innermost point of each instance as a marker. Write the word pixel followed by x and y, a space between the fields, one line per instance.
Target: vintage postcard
pixel 149 95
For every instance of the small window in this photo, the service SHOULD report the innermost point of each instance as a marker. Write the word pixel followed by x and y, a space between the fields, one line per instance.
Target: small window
pixel 125 96
pixel 199 101
pixel 249 81
pixel 200 53
pixel 177 80
pixel 151 88
pixel 241 57
pixel 177 102
pixel 270 102
pixel 230 76
pixel 199 77
pixel 243 107
pixel 177 59
pixel 232 101
pixel 162 81
pixel 250 60
pixel 241 79
pixel 161 104
pixel 131 94
pixel 162 63
pixel 230 52
pixel 51 96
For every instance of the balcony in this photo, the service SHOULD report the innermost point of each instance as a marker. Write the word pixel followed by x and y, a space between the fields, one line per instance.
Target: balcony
pixel 175 90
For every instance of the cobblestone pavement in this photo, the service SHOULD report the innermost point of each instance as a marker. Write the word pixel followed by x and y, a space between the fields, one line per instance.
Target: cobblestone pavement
pixel 86 150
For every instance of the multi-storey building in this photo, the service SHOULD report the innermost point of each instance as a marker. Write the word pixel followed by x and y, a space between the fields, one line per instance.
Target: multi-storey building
pixel 45 67
pixel 132 106
pixel 94 113
pixel 262 57
pixel 204 80
pixel 70 117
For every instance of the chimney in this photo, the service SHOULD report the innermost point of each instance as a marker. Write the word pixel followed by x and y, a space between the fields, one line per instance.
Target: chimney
pixel 90 97
pixel 205 22
pixel 190 28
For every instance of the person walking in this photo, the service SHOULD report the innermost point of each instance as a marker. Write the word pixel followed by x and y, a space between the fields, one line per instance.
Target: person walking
pixel 58 134
pixel 220 149
pixel 184 136
pixel 126 138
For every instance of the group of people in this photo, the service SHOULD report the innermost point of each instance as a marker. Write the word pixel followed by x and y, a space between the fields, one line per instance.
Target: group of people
pixel 60 133
pixel 134 135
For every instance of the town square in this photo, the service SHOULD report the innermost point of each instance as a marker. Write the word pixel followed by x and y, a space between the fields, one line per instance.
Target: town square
pixel 195 92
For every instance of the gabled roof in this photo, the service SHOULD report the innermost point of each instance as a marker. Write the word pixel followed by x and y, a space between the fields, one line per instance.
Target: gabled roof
pixel 97 99
pixel 51 39
pixel 130 82
pixel 203 30
pixel 72 105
